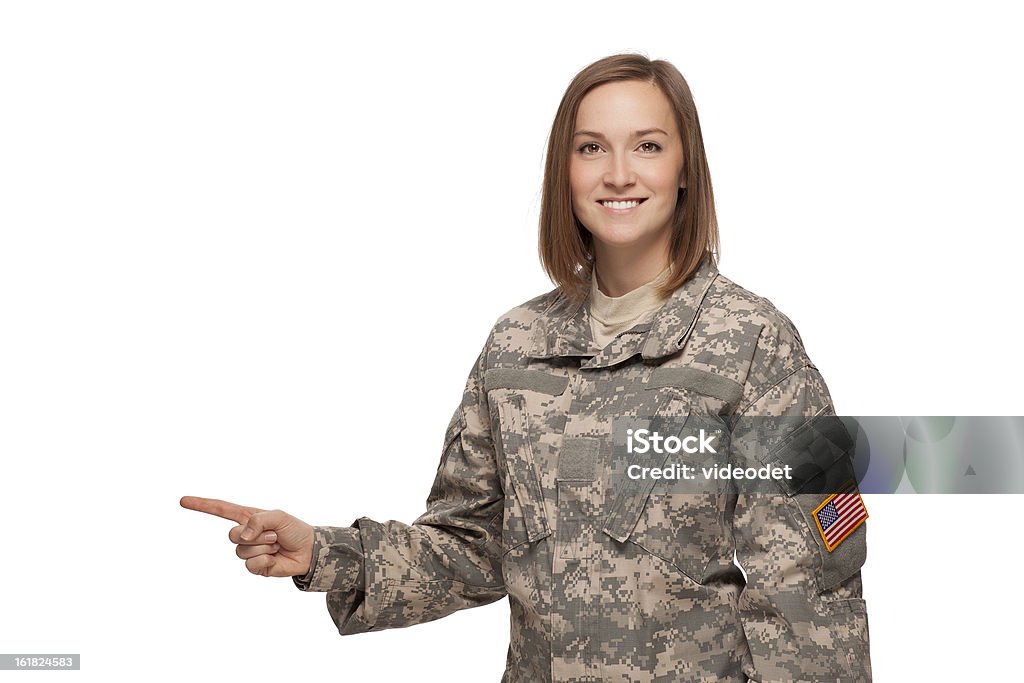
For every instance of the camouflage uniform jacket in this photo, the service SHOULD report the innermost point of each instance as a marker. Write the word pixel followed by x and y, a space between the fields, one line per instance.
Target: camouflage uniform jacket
pixel 613 582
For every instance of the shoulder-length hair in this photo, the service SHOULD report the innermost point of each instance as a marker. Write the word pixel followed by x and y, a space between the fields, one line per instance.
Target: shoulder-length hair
pixel 566 246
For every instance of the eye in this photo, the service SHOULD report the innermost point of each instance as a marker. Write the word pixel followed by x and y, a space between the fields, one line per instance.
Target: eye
pixel 589 148
pixel 649 147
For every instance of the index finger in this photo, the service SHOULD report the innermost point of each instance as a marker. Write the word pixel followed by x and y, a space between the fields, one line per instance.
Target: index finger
pixel 220 508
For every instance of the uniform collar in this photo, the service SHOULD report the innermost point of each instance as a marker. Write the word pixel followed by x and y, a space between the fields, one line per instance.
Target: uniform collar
pixel 564 330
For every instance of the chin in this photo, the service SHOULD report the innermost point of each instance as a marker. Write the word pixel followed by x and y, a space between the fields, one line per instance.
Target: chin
pixel 623 240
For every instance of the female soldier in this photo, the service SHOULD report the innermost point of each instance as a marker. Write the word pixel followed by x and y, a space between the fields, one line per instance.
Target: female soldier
pixel 610 578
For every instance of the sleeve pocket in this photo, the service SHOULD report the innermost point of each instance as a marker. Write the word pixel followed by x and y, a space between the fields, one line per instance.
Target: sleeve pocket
pixel 820 454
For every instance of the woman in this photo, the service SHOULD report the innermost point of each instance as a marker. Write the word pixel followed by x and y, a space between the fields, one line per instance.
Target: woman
pixel 611 579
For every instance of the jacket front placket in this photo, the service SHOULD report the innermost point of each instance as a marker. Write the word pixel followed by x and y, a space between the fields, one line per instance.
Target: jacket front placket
pixel 602 384
pixel 589 509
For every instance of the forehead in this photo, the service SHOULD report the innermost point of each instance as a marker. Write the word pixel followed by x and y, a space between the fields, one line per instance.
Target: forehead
pixel 624 107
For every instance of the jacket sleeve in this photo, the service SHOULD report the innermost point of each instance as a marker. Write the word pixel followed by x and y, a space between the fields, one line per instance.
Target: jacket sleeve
pixel 802 610
pixel 390 575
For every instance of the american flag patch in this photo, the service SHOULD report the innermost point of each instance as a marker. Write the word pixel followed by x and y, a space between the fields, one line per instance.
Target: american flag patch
pixel 840 515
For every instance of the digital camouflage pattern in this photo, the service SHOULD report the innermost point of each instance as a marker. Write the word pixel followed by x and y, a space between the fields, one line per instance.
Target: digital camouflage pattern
pixel 609 580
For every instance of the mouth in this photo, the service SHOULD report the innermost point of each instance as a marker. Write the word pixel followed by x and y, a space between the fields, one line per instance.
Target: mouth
pixel 623 204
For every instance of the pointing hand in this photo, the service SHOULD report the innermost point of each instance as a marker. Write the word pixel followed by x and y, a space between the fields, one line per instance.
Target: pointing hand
pixel 272 542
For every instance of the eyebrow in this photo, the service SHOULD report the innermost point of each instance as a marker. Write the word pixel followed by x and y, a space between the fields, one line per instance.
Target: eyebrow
pixel 637 134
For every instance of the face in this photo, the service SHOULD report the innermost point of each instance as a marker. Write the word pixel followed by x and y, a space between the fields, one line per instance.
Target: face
pixel 626 166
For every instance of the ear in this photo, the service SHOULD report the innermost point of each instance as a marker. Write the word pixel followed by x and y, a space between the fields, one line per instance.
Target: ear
pixel 682 180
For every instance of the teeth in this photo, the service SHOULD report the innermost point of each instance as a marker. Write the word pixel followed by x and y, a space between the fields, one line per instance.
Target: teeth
pixel 621 205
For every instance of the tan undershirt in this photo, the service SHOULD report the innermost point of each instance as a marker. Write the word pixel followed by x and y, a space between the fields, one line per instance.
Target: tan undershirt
pixel 612 315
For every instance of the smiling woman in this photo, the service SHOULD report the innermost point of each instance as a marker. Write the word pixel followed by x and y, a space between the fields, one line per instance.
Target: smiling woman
pixel 625 183
pixel 658 160
pixel 613 578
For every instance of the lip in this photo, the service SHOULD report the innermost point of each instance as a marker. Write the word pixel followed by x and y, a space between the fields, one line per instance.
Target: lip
pixel 620 212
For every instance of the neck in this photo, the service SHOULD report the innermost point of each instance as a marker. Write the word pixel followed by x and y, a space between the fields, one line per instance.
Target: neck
pixel 621 270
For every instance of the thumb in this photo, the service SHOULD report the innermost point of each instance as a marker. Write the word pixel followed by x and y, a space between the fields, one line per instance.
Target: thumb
pixel 263 521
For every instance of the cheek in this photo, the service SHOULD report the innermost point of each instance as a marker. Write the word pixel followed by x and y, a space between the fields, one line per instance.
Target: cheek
pixel 578 187
pixel 669 176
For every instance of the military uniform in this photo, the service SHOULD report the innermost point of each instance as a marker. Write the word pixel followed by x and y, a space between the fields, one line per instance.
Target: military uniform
pixel 610 580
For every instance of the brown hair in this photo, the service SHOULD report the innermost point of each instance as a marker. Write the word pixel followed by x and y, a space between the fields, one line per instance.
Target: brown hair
pixel 566 246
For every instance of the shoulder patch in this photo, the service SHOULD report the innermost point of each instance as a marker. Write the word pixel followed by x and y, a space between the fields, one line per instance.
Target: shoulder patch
pixel 840 515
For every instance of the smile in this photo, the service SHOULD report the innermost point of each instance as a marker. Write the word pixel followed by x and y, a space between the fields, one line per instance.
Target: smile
pixel 621 204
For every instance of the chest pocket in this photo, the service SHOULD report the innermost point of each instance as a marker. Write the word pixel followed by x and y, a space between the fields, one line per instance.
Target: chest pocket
pixel 525 516
pixel 672 522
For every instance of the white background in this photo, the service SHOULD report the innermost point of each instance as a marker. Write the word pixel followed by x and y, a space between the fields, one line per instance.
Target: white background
pixel 250 250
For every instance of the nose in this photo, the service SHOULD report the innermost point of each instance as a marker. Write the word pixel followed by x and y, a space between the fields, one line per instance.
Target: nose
pixel 619 172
